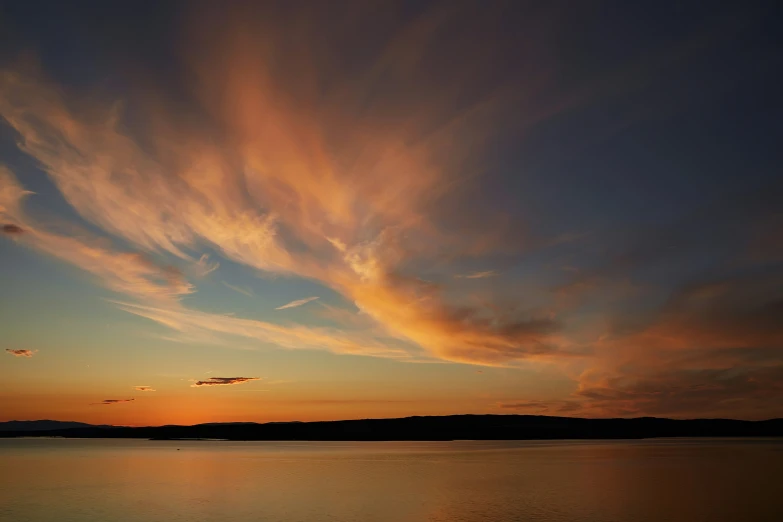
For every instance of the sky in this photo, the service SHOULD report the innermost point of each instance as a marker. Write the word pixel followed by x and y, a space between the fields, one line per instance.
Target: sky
pixel 274 211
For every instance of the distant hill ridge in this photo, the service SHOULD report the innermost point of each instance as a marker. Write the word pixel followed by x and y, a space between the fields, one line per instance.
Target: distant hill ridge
pixel 43 425
pixel 452 427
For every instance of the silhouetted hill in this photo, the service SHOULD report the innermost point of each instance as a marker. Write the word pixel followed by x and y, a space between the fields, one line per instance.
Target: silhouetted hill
pixel 43 425
pixel 454 427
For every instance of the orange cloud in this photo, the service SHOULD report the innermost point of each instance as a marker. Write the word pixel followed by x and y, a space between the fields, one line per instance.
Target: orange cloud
pixel 144 388
pixel 319 187
pixel 123 272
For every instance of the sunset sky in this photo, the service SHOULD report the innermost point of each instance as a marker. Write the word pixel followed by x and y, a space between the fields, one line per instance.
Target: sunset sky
pixel 268 211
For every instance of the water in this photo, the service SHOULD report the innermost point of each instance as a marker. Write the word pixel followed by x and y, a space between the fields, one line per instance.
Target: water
pixel 624 481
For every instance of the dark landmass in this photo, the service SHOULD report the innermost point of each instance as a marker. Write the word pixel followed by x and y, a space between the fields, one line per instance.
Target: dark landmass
pixel 45 425
pixel 454 427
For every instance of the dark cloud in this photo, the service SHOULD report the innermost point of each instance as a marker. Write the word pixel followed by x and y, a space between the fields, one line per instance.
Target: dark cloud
pixel 20 353
pixel 714 348
pixel 726 392
pixel 109 402
pixel 224 381
pixel 12 229
pixel 485 334
pixel 693 312
pixel 144 388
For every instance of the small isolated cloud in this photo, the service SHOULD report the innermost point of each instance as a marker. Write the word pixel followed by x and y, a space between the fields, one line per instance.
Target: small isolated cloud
pixel 12 229
pixel 109 402
pixel 20 353
pixel 203 267
pixel 239 289
pixel 144 388
pixel 223 381
pixel 298 302
pixel 477 275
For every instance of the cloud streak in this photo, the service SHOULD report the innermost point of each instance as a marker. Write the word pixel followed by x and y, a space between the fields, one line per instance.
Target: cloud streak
pixel 111 402
pixel 20 353
pixel 197 325
pixel 298 302
pixel 144 388
pixel 127 273
pixel 243 291
pixel 477 275
pixel 223 381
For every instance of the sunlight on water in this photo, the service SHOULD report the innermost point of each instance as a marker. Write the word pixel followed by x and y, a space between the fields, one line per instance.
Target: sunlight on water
pixel 624 481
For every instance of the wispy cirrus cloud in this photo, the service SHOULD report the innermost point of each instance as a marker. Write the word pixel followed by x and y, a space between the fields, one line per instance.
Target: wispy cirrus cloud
pixel 277 194
pixel 223 381
pixel 203 267
pixel 111 402
pixel 20 352
pixel 298 302
pixel 195 324
pixel 241 290
pixel 128 273
pixel 144 388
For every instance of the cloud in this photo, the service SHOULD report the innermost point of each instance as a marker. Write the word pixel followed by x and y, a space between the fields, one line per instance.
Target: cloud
pixel 21 353
pixel 753 392
pixel 12 229
pixel 109 402
pixel 477 275
pixel 144 388
pixel 715 348
pixel 241 290
pixel 277 193
pixel 128 273
pixel 298 302
pixel 223 381
pixel 203 267
pixel 202 326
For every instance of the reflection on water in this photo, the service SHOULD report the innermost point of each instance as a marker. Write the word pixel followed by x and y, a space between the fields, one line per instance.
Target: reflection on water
pixel 623 481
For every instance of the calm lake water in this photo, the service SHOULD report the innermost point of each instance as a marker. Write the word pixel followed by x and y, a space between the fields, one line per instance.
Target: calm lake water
pixel 668 480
